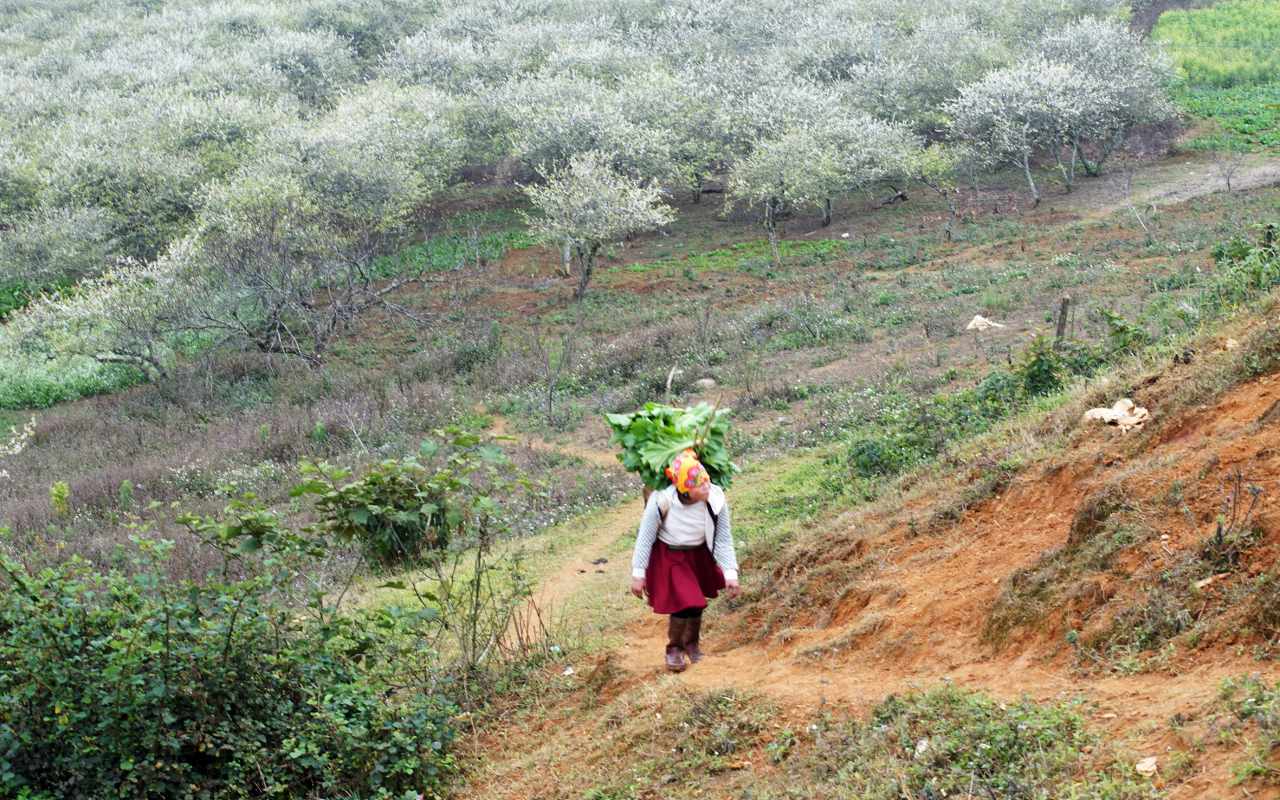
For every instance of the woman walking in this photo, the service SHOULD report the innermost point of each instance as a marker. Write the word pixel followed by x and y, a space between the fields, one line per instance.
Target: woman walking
pixel 684 555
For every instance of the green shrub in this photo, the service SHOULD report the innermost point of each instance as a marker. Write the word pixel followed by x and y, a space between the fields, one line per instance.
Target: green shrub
pixel 154 689
pixel 60 498
pixel 1041 368
pixel 402 509
pixel 1232 250
pixel 1123 336
pixel 126 495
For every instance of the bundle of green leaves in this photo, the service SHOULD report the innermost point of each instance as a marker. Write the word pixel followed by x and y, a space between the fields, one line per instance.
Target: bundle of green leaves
pixel 656 434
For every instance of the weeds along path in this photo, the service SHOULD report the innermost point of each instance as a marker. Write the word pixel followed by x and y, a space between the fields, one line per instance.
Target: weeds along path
pixel 501 428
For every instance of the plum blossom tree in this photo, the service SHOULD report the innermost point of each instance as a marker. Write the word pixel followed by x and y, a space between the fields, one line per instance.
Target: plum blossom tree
pixel 589 203
pixel 793 171
pixel 549 119
pixel 127 315
pixel 1128 77
pixel 289 244
pixel 808 166
pixel 1018 111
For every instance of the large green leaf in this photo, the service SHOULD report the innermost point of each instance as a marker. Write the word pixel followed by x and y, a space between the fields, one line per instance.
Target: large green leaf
pixel 651 437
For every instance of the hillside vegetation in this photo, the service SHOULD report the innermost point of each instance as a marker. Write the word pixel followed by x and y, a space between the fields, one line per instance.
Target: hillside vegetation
pixel 311 314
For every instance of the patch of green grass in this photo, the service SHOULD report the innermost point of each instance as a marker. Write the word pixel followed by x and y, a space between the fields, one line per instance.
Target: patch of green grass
pixel 797 490
pixel 448 251
pixel 25 386
pixel 1228 59
pixel 1231 43
pixel 1254 707
pixel 751 256
pixel 949 742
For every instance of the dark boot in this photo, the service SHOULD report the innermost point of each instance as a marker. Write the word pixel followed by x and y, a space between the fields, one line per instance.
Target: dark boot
pixel 675 643
pixel 691 631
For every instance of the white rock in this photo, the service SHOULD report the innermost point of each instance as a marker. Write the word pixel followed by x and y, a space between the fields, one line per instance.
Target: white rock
pixel 1123 413
pixel 922 747
pixel 1146 766
pixel 1232 344
pixel 704 384
pixel 567 671
pixel 981 323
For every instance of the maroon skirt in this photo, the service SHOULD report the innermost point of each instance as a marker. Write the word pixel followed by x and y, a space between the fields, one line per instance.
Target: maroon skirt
pixel 680 579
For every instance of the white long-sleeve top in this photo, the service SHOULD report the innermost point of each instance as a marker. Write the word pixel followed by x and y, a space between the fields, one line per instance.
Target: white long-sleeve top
pixel 686 525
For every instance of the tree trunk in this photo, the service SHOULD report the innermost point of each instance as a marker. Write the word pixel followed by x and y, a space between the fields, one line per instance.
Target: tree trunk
pixel 697 189
pixel 566 255
pixel 1068 173
pixel 1031 182
pixel 1095 169
pixel 826 212
pixel 771 225
pixel 586 263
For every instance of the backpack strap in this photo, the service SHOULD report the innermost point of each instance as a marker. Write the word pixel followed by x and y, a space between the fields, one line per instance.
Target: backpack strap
pixel 715 523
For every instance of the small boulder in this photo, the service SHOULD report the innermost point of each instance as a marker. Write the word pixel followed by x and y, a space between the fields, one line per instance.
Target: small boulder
pixel 704 384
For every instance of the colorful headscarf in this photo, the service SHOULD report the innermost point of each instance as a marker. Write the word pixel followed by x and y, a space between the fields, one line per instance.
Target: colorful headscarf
pixel 686 473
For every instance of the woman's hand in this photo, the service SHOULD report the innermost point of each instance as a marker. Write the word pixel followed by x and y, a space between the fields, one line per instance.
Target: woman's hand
pixel 637 587
pixel 732 589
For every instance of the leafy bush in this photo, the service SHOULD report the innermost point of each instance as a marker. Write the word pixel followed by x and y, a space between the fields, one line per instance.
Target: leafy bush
pixel 402 509
pixel 1123 336
pixel 1040 368
pixel 156 689
pixel 908 431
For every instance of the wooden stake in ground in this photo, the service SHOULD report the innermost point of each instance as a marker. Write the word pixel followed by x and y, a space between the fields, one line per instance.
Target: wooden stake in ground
pixel 1061 332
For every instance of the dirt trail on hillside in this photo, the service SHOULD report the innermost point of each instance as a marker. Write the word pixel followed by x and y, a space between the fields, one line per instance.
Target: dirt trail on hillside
pixel 501 428
pixel 917 619
pixel 1163 183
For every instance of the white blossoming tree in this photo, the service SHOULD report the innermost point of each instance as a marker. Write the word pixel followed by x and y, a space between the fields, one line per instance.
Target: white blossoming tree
pixel 1127 79
pixel 793 171
pixel 127 315
pixel 291 242
pixel 1031 107
pixel 589 204
pixel 810 166
pixel 548 119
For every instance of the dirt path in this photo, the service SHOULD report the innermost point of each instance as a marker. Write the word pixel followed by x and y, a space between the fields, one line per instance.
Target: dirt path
pixel 1166 182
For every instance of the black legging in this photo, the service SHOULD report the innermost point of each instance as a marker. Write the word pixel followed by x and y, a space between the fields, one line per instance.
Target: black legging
pixel 688 613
